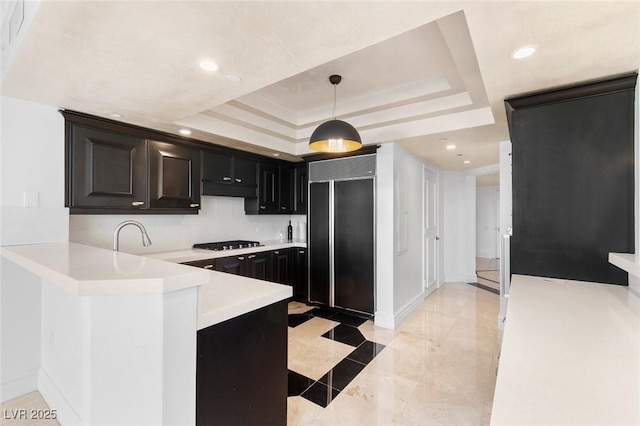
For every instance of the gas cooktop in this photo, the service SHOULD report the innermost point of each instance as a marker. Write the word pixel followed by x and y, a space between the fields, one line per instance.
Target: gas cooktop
pixel 227 245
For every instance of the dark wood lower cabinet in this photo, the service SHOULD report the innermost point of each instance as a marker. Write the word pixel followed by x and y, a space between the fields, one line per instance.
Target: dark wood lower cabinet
pixel 258 265
pixel 301 279
pixel 283 266
pixel 242 370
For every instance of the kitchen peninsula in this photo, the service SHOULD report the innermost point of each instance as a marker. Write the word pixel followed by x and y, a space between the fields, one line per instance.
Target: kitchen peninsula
pixel 110 318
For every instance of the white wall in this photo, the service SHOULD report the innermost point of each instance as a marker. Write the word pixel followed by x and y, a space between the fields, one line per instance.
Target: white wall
pixel 459 234
pixel 399 278
pixel 385 239
pixel 408 277
pixel 31 161
pixel 220 219
pixel 486 221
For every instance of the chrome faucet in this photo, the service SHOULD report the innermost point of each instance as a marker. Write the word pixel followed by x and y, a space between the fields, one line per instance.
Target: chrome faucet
pixel 146 241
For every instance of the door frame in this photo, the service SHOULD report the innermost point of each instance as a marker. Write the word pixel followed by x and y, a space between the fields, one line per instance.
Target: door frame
pixel 435 171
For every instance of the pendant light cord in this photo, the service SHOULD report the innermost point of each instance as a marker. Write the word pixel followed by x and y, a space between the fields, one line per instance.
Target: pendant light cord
pixel 335 91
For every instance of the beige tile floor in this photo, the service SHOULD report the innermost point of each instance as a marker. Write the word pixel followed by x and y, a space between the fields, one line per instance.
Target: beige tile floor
pixel 488 272
pixel 438 368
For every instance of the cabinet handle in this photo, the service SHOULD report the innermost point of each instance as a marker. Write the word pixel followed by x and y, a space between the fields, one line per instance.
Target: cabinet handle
pixel 240 257
pixel 208 266
pixel 276 252
pixel 301 251
pixel 263 207
pixel 137 203
pixel 226 178
pixel 194 205
pixel 283 208
pixel 251 256
pixel 238 180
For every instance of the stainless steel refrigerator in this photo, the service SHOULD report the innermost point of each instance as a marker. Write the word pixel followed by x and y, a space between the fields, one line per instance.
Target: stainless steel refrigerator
pixel 341 229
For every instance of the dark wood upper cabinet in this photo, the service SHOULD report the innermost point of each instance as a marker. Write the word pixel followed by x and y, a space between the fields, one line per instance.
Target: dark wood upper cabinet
pixel 275 192
pixel 285 195
pixel 228 175
pixel 244 171
pixel 107 169
pixel 573 180
pixel 300 188
pixel 174 173
pixel 216 167
pixel 269 188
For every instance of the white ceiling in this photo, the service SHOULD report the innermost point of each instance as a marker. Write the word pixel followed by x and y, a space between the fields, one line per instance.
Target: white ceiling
pixel 423 74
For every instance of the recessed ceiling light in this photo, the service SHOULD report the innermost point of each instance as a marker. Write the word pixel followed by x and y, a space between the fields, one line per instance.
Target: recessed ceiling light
pixel 233 78
pixel 467 161
pixel 115 115
pixel 451 147
pixel 523 52
pixel 208 65
pixel 275 154
pixel 185 132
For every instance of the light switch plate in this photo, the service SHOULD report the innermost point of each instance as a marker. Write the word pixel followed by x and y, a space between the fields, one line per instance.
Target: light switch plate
pixel 31 199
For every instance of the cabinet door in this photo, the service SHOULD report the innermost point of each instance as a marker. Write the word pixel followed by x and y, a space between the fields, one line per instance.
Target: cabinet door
pixel 216 167
pixel 245 171
pixel 269 185
pixel 204 264
pixel 354 245
pixel 300 189
pixel 174 173
pixel 300 290
pixel 283 266
pixel 231 265
pixel 259 266
pixel 108 169
pixel 285 194
pixel 319 243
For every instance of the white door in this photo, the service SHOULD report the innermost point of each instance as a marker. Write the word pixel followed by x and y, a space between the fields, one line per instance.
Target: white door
pixel 430 223
pixel 497 233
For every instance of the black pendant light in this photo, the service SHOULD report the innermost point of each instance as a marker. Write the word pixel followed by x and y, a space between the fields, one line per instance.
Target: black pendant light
pixel 335 135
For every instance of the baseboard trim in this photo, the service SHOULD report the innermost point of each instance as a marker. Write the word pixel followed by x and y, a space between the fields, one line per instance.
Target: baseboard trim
pixel 20 386
pixel 393 321
pixel 56 400
pixel 470 278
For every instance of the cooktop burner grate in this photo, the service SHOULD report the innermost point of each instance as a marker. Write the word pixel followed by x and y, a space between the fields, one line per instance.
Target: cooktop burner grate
pixel 227 245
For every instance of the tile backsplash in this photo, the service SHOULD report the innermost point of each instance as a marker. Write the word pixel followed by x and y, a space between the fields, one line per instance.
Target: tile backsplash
pixel 220 219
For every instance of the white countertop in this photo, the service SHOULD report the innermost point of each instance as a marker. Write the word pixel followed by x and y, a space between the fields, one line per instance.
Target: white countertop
pixel 227 296
pixel 570 355
pixel 89 271
pixel 190 255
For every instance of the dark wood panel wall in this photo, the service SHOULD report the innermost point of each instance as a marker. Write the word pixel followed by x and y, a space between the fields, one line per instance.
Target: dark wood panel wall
pixel 573 180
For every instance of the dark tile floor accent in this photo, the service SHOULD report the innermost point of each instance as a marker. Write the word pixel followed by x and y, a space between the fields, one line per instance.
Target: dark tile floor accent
pixel 484 287
pixel 341 375
pixel 345 334
pixel 366 352
pixel 320 394
pixel 323 391
pixel 297 383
